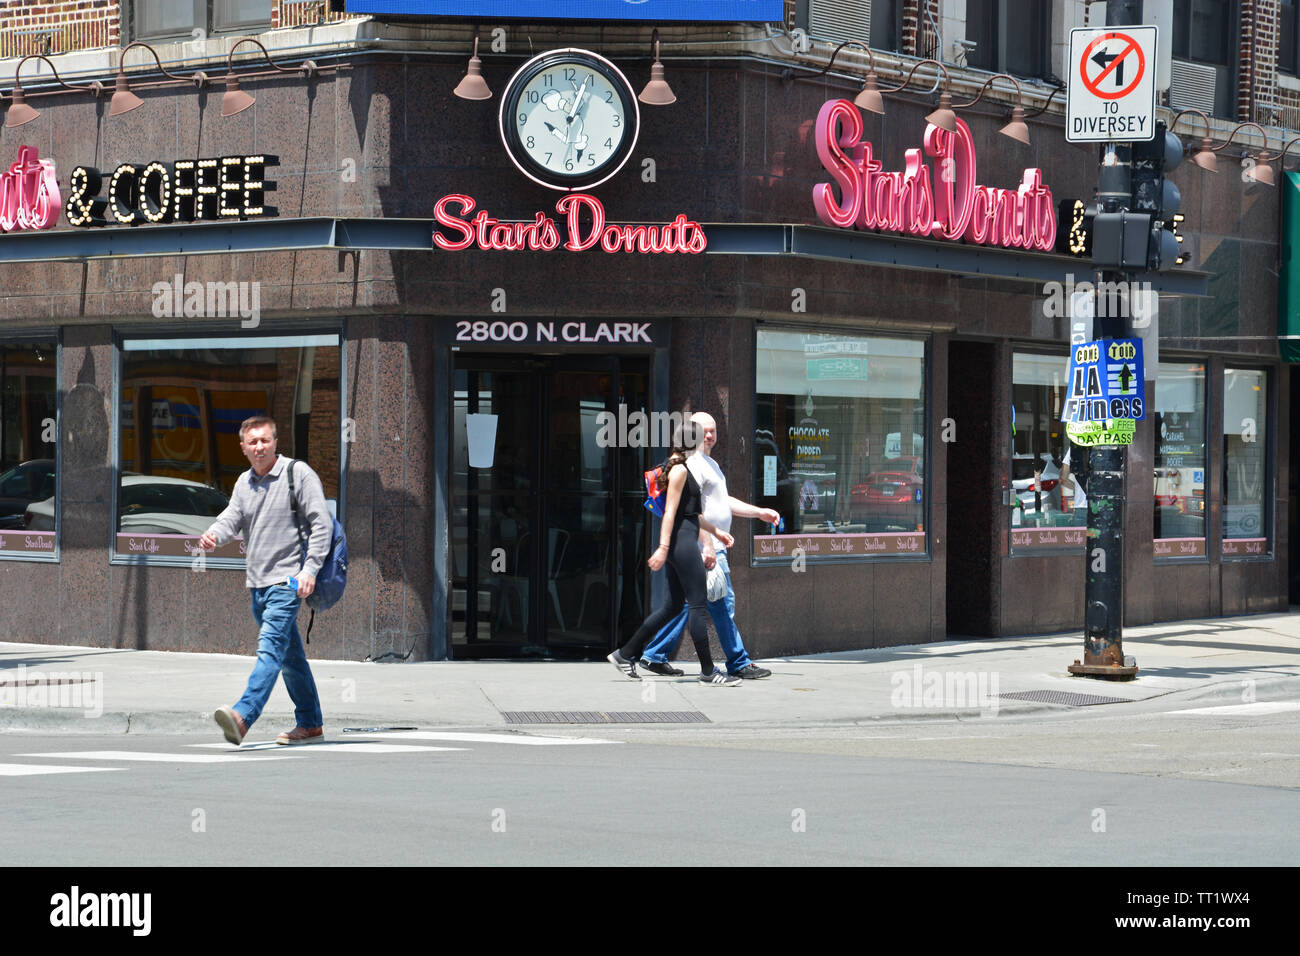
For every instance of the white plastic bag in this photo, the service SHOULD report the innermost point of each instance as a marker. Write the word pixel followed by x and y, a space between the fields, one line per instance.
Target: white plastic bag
pixel 716 583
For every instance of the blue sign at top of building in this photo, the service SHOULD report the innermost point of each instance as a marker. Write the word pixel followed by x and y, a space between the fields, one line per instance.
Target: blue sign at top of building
pixel 659 10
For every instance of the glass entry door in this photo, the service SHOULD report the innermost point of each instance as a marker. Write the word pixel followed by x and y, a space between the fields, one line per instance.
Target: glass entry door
pixel 546 506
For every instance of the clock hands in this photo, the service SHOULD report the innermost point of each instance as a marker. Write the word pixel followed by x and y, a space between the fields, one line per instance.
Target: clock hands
pixel 577 100
pixel 572 133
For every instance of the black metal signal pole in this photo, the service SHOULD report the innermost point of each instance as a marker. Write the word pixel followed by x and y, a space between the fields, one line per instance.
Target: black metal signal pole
pixel 1103 648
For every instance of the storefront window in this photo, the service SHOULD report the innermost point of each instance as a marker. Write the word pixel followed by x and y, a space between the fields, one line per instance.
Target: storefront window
pixel 28 439
pixel 1048 496
pixel 181 405
pixel 1245 462
pixel 1179 422
pixel 839 444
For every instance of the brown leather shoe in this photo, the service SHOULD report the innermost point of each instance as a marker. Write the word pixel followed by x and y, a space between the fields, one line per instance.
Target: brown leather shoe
pixel 300 735
pixel 231 724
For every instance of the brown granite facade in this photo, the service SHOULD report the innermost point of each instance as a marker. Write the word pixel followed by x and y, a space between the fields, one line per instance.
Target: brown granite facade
pixel 383 137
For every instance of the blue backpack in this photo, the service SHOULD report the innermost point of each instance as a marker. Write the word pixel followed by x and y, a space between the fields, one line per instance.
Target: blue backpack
pixel 332 577
pixel 656 489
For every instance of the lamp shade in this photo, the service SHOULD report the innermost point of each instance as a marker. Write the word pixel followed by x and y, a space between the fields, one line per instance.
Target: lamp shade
pixel 472 86
pixel 234 100
pixel 944 117
pixel 1017 129
pixel 657 92
pixel 1262 171
pixel 19 112
pixel 870 99
pixel 1205 158
pixel 123 101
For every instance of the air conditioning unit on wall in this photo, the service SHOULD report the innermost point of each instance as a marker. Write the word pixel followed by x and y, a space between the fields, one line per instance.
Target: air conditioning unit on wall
pixel 840 20
pixel 1192 86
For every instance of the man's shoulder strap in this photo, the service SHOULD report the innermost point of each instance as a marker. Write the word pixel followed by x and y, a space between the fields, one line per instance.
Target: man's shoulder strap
pixel 293 500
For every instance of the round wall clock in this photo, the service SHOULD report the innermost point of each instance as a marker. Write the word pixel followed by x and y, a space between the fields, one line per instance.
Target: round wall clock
pixel 569 119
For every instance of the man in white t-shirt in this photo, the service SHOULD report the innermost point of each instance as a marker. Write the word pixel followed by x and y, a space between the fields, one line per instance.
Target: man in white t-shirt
pixel 719 508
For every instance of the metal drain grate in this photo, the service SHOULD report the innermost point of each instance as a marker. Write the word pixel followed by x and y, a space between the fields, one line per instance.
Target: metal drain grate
pixel 604 717
pixel 1063 697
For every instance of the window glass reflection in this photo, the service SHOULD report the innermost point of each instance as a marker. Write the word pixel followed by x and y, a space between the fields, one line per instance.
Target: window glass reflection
pixel 839 446
pixel 1245 472
pixel 1178 419
pixel 180 412
pixel 28 435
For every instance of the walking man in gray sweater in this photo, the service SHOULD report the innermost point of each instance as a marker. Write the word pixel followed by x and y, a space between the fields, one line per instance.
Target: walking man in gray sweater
pixel 260 508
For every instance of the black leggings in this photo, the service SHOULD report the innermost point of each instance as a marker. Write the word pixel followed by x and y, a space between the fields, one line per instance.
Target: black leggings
pixel 686 585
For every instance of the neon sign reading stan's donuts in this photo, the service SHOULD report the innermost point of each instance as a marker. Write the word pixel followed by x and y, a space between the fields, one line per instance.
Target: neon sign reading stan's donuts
pixel 907 201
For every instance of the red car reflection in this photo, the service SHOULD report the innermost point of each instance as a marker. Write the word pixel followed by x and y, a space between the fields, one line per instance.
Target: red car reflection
pixel 890 498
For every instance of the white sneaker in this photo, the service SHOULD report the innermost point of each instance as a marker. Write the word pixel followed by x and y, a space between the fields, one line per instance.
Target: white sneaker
pixel 626 668
pixel 721 677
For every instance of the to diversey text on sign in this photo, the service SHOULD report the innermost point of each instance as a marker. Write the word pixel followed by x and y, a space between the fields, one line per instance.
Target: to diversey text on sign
pixel 1111 85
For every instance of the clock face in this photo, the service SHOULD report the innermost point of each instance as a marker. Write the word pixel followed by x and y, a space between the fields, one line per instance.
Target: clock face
pixel 569 119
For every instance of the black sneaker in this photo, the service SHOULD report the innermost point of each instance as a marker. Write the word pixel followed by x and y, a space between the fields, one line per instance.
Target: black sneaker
pixel 721 677
pixel 753 672
pixel 626 668
pixel 663 670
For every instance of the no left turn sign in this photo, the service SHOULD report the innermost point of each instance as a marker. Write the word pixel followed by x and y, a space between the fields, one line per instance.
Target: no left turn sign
pixel 1112 85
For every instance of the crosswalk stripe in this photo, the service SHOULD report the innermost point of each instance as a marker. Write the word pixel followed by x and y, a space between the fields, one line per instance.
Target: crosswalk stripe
pixel 1260 707
pixel 352 747
pixel 515 739
pixel 148 757
pixel 27 770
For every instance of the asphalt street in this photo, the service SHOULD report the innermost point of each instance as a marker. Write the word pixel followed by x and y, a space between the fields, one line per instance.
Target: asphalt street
pixel 1074 790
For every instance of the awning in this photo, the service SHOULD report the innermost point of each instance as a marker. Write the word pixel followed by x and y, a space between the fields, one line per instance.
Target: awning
pixel 1288 291
pixel 397 234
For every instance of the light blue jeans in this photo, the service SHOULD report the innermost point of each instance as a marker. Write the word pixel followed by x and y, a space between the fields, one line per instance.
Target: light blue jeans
pixel 723 612
pixel 279 648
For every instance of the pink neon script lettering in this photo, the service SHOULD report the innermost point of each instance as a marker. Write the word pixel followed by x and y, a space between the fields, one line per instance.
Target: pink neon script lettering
pixel 29 193
pixel 954 206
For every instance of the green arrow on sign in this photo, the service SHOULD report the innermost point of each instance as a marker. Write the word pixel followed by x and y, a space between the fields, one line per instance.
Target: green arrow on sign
pixel 1125 377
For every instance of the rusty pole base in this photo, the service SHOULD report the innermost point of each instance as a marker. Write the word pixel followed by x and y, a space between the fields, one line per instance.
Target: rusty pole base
pixel 1103 671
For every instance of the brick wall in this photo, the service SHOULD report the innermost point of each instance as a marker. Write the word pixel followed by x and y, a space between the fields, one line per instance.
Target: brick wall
pixel 62 27
pixel 1257 56
pixel 911 17
pixel 300 14
pixel 1260 98
pixel 48 28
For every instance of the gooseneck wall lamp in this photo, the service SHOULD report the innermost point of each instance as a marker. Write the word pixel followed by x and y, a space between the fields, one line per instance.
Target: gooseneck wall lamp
pixel 472 86
pixel 124 100
pixel 1259 170
pixel 869 97
pixel 657 92
pixel 1204 156
pixel 1266 159
pixel 19 112
pixel 943 117
pixel 1017 129
pixel 235 100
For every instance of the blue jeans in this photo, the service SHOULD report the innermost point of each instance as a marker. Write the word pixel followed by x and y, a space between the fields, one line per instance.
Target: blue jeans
pixel 723 612
pixel 275 609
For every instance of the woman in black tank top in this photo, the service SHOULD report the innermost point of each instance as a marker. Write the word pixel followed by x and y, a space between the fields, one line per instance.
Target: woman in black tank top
pixel 679 554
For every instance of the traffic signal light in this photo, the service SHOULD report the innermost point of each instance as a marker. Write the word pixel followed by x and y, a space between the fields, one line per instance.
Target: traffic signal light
pixel 1122 240
pixel 1152 193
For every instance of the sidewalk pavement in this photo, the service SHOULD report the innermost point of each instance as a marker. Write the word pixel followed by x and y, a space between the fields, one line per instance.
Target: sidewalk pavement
pixel 113 691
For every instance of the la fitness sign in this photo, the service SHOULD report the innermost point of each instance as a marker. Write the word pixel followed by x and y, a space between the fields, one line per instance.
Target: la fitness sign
pixel 909 202
pixel 582 218
pixel 29 193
